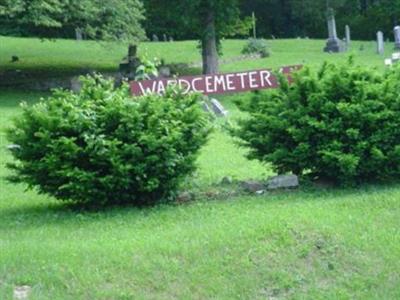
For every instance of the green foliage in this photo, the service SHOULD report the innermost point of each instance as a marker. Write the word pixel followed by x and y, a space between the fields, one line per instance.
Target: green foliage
pixel 102 146
pixel 148 69
pixel 182 69
pixel 256 46
pixel 340 123
pixel 101 20
pixel 186 18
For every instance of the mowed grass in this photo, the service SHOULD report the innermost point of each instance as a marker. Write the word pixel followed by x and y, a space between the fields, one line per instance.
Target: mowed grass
pixel 69 57
pixel 306 244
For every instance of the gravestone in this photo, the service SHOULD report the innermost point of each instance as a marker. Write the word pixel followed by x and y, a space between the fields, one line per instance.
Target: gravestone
pixel 171 39
pixel 165 38
pixel 22 292
pixel 78 34
pixel 129 65
pixel 395 57
pixel 344 45
pixel 388 62
pixel 380 43
pixel 155 38
pixel 206 107
pixel 333 44
pixel 164 72
pixel 397 38
pixel 348 36
pixel 76 84
pixel 218 109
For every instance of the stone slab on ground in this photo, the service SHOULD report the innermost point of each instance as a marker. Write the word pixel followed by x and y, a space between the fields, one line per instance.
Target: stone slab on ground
pixel 283 182
pixel 252 186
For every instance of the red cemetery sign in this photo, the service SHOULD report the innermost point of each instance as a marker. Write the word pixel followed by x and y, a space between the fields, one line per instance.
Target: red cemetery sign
pixel 214 84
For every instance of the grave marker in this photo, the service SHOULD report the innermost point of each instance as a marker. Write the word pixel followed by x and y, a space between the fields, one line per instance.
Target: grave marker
pixel 333 44
pixel 78 34
pixel 348 36
pixel 397 38
pixel 380 43
pixel 218 109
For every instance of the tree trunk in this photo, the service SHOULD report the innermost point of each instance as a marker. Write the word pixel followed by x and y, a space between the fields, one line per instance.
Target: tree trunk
pixel 209 45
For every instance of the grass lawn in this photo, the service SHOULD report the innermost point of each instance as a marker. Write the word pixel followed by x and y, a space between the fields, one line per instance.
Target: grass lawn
pixel 68 56
pixel 309 244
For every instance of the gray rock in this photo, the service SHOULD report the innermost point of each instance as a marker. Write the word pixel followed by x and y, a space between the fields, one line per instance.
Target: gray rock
pixel 184 197
pixel 252 186
pixel 227 180
pixel 283 182
pixel 164 72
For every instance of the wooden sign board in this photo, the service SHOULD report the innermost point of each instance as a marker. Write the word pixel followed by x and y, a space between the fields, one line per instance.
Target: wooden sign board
pixel 214 84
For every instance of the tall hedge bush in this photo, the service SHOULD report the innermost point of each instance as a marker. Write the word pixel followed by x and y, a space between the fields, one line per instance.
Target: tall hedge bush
pixel 340 123
pixel 102 146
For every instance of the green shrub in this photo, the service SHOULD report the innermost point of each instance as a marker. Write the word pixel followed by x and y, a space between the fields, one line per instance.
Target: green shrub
pixel 103 146
pixel 341 123
pixel 182 69
pixel 256 46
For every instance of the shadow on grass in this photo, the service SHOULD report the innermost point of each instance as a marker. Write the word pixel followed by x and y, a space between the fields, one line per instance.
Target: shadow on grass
pixel 56 213
pixel 11 98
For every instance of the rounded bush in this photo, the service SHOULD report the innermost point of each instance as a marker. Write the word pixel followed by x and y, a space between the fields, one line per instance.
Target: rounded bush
pixel 256 46
pixel 340 124
pixel 102 146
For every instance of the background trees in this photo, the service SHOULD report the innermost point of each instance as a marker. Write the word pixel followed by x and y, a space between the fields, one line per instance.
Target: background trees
pixel 287 18
pixel 205 20
pixel 104 20
pixel 121 19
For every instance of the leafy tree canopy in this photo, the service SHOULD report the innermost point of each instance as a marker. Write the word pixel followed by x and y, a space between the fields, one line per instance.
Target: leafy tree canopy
pixel 103 20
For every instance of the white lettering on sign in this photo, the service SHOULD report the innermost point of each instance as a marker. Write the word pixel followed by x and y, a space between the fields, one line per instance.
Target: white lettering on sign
pixel 214 84
pixel 220 81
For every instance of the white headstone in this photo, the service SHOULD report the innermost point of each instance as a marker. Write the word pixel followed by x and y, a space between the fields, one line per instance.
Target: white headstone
pixel 380 43
pixel 397 38
pixel 78 34
pixel 218 109
pixel 388 62
pixel 396 57
pixel 22 292
pixel 348 35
